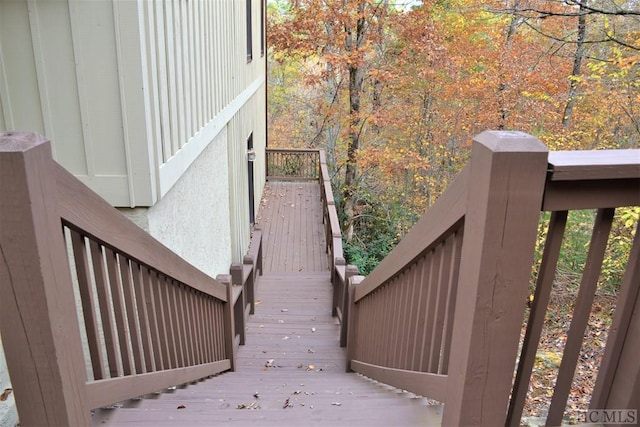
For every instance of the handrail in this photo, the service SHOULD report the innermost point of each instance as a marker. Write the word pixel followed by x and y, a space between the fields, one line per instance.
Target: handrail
pixel 311 164
pixel 151 320
pixel 292 164
pixel 424 319
pixel 441 315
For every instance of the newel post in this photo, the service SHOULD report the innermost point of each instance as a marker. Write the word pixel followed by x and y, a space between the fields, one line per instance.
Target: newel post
pixel 229 321
pixel 507 179
pixel 38 317
pixel 350 271
pixel 352 322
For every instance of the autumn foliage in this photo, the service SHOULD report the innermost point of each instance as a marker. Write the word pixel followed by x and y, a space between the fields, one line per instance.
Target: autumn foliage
pixel 433 75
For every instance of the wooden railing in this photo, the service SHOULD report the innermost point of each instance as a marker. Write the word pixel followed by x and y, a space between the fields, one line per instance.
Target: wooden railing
pixel 311 164
pixel 441 315
pixel 296 164
pixel 150 320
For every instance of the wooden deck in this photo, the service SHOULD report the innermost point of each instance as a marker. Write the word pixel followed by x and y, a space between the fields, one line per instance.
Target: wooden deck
pixel 291 370
pixel 290 217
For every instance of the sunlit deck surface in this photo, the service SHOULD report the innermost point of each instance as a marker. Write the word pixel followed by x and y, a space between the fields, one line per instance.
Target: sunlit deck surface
pixel 290 217
pixel 291 372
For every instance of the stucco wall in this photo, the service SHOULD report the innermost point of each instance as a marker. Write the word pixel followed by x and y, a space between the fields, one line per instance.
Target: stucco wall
pixel 193 218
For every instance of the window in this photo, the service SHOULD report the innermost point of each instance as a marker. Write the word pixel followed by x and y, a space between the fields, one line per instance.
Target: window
pixel 249 34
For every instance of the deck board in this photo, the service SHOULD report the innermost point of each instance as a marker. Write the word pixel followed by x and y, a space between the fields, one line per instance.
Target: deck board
pixel 290 217
pixel 292 369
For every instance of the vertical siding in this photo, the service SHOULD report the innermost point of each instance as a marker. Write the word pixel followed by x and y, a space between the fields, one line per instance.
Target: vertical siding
pixel 130 92
pixel 249 120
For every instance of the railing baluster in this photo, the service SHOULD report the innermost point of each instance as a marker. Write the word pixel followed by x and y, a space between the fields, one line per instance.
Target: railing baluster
pixel 181 319
pixel 441 301
pixel 542 294
pixel 163 320
pixel 588 286
pixel 430 354
pixel 142 300
pixel 150 282
pixel 87 297
pixel 176 338
pixel 429 301
pixel 451 299
pixel 108 321
pixel 131 312
pixel 193 326
pixel 117 298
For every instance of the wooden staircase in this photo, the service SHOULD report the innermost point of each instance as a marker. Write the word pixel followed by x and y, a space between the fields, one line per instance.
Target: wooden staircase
pixel 290 372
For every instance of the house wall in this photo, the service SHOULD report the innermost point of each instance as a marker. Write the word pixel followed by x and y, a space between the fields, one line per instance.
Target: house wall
pixel 193 219
pixel 150 105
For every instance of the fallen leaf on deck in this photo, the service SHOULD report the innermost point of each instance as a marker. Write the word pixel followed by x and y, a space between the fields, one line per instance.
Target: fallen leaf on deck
pixel 311 367
pixel 253 405
pixel 5 394
pixel 287 404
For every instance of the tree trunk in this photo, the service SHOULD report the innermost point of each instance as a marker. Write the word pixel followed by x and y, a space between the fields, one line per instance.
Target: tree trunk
pixel 502 86
pixel 356 78
pixel 577 65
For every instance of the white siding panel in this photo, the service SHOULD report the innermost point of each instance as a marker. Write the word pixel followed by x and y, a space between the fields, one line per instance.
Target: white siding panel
pixel 98 66
pixel 55 69
pixel 129 92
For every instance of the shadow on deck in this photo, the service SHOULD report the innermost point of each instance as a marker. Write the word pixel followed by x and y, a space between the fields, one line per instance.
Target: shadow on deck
pixel 291 371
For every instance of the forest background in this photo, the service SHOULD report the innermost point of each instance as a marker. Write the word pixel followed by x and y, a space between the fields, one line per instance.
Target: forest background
pixel 395 92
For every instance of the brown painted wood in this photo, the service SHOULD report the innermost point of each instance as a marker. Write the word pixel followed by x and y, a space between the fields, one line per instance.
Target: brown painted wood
pixel 590 194
pixel 133 335
pixel 584 301
pixel 507 177
pixel 38 321
pixel 102 223
pixel 106 313
pixel 594 164
pixel 91 322
pixel 313 381
pixel 430 228
pixel 105 392
pixel 421 383
pixel 451 299
pixel 535 323
pixel 624 327
pixel 281 239
pixel 143 315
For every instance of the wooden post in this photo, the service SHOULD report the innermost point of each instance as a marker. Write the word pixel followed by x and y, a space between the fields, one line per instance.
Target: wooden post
pixel 335 281
pixel 251 282
pixel 353 319
pixel 507 178
pixel 229 323
pixel 618 383
pixel 237 279
pixel 38 317
pixel 350 271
